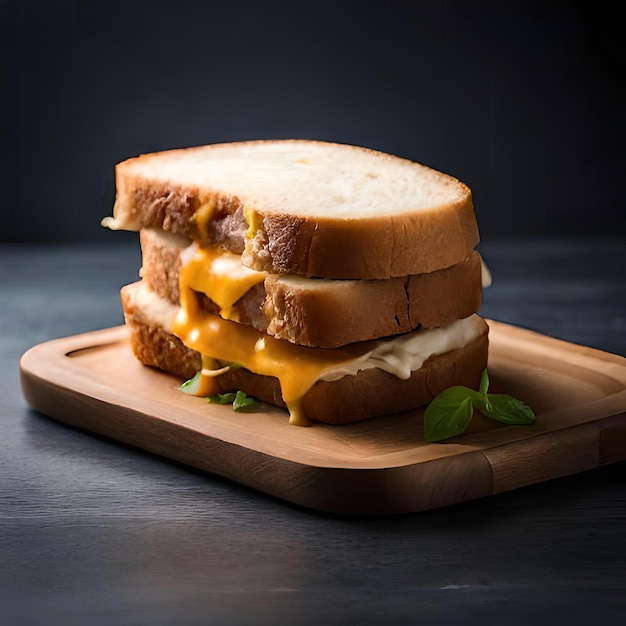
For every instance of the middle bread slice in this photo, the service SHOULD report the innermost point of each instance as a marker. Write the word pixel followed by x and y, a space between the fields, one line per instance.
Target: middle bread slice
pixel 311 311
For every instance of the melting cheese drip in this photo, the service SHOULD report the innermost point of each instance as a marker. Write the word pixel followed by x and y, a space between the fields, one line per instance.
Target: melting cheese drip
pixel 297 368
pixel 220 275
pixel 224 279
pixel 223 341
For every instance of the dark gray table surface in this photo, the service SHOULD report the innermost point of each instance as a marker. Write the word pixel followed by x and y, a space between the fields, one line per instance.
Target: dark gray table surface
pixel 93 532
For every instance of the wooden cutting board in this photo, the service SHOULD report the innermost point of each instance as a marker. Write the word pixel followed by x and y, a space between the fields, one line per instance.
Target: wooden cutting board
pixel 92 381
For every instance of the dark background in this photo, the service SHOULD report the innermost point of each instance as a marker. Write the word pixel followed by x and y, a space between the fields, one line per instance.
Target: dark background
pixel 522 100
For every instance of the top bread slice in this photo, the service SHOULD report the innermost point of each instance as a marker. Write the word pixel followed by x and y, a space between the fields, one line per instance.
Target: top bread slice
pixel 302 207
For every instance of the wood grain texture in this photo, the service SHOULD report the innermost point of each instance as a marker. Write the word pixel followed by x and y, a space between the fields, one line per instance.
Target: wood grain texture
pixel 547 456
pixel 92 381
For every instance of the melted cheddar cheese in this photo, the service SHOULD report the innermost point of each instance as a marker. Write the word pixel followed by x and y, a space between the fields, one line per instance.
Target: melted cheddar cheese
pixel 297 368
pixel 220 275
pixel 223 342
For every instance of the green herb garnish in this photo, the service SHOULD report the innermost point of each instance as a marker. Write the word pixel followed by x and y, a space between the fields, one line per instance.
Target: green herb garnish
pixel 239 400
pixel 450 413
pixel 222 398
pixel 189 386
pixel 242 401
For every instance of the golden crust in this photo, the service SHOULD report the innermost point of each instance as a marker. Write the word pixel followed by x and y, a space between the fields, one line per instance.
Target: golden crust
pixel 377 248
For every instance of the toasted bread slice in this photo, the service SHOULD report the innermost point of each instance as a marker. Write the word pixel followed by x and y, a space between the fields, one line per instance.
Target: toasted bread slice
pixel 303 207
pixel 329 313
pixel 368 393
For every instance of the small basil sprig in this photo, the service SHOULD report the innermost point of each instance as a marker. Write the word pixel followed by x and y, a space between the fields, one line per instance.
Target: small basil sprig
pixel 450 413
pixel 239 400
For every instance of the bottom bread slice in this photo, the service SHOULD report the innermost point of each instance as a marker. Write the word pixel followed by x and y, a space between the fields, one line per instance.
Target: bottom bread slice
pixel 369 393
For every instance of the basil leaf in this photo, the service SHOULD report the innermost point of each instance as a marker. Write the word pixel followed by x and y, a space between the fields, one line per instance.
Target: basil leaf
pixel 453 396
pixel 482 403
pixel 449 414
pixel 506 409
pixel 222 398
pixel 242 401
pixel 484 383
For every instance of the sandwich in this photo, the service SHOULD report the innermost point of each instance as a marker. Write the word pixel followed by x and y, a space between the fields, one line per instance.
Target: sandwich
pixel 338 282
